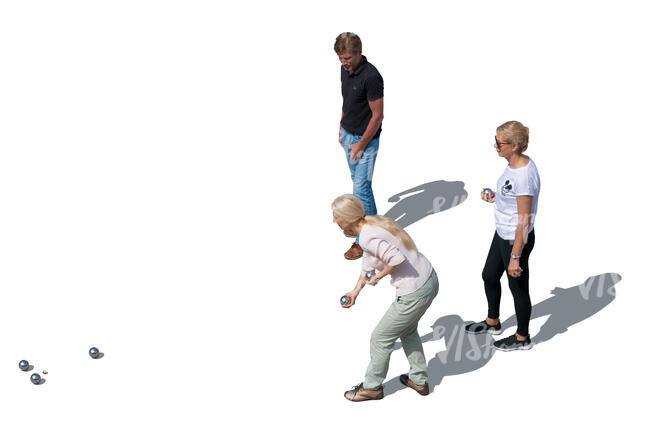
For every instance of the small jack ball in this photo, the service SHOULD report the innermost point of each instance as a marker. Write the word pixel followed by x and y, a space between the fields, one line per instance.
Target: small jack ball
pixel 345 300
pixel 23 365
pixel 369 275
pixel 94 352
pixel 36 378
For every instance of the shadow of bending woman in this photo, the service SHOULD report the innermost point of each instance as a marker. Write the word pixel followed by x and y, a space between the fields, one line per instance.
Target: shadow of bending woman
pixel 463 352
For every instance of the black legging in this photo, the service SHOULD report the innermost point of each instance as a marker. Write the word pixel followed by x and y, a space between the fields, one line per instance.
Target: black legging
pixel 496 263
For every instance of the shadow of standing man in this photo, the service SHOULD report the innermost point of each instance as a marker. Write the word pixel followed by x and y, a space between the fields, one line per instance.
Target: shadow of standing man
pixel 425 199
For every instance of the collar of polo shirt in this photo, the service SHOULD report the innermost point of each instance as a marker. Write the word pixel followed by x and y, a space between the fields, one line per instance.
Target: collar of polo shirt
pixel 361 65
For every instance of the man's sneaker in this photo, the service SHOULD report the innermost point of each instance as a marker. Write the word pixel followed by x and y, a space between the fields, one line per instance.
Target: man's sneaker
pixel 355 252
pixel 512 343
pixel 421 389
pixel 358 393
pixel 483 327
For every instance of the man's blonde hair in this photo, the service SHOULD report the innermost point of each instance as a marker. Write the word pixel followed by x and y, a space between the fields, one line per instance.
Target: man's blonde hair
pixel 347 41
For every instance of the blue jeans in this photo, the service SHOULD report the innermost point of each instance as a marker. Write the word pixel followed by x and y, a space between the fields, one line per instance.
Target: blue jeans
pixel 361 171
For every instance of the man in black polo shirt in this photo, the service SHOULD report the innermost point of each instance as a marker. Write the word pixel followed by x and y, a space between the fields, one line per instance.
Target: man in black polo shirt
pixel 363 110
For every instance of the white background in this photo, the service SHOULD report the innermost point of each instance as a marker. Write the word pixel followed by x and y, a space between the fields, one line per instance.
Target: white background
pixel 166 174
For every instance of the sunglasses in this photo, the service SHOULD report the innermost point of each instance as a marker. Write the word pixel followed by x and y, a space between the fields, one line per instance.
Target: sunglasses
pixel 499 144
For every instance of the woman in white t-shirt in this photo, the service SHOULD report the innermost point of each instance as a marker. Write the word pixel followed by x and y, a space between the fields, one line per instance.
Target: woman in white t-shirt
pixel 515 208
pixel 389 250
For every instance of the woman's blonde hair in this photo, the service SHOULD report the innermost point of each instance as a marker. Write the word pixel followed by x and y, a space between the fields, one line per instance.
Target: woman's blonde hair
pixel 514 132
pixel 350 209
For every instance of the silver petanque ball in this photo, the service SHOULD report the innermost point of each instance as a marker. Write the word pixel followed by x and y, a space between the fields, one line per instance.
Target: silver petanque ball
pixel 35 378
pixel 345 300
pixel 488 192
pixel 369 275
pixel 94 352
pixel 23 365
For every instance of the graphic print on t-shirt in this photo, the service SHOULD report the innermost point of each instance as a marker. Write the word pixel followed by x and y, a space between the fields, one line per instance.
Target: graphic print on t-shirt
pixel 507 187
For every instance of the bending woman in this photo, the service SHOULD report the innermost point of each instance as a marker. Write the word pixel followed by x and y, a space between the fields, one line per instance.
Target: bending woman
pixel 389 250
pixel 514 212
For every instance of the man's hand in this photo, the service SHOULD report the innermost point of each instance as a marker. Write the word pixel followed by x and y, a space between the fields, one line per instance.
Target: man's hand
pixel 356 152
pixel 340 137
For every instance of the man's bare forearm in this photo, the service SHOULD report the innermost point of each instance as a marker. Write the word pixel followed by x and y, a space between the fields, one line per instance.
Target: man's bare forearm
pixel 373 126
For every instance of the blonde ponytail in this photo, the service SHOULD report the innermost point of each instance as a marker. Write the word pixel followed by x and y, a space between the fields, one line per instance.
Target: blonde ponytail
pixel 350 209
pixel 393 228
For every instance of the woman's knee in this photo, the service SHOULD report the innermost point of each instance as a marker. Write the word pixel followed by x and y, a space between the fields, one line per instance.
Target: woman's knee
pixel 491 277
pixel 379 339
pixel 519 287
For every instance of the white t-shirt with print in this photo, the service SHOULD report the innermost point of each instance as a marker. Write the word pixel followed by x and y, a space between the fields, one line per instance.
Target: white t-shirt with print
pixel 512 183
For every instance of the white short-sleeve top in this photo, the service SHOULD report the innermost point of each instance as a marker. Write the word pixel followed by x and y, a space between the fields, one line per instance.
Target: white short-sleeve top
pixel 520 181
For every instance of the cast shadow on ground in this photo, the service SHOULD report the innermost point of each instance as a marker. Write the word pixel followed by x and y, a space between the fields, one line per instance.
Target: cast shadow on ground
pixel 429 198
pixel 466 352
pixel 572 305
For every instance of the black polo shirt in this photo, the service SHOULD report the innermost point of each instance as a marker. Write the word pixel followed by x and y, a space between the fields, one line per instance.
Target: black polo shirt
pixel 358 88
